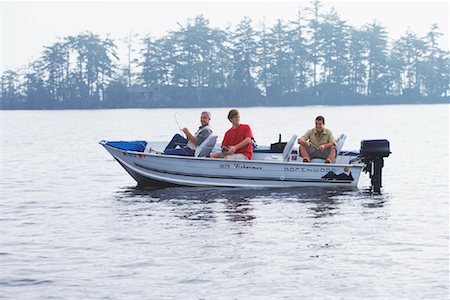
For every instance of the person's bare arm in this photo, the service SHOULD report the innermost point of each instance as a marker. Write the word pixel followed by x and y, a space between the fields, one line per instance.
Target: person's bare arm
pixel 242 144
pixel 326 146
pixel 303 142
pixel 189 135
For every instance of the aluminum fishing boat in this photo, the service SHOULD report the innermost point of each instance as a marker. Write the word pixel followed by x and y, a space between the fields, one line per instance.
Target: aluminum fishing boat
pixel 276 166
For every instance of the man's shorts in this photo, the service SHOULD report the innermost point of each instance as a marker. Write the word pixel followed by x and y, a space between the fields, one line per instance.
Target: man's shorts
pixel 236 156
pixel 316 153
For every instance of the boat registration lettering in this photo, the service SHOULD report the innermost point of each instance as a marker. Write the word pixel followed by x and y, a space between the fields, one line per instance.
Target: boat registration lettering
pixel 239 166
pixel 244 166
pixel 310 170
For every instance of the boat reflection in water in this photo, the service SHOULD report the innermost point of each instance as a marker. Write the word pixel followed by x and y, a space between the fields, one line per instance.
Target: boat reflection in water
pixel 240 205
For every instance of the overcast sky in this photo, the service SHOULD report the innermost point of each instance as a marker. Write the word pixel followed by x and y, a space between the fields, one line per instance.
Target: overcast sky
pixel 27 26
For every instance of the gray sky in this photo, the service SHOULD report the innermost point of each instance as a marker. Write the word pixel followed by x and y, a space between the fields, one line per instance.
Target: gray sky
pixel 27 26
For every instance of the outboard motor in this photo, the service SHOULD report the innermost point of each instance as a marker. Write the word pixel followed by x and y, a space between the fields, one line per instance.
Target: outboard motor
pixel 372 153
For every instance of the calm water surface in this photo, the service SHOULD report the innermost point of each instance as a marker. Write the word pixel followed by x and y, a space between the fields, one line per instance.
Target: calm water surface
pixel 74 225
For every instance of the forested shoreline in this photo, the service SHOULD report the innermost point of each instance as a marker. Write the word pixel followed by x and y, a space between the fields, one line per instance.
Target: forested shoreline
pixel 315 59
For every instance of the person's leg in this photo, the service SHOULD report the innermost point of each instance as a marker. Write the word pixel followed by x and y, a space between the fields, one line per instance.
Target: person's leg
pixel 307 153
pixel 237 156
pixel 217 155
pixel 177 140
pixel 328 154
pixel 331 156
pixel 304 154
pixel 183 151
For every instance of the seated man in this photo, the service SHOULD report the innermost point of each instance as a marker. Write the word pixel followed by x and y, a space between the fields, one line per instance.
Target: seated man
pixel 318 142
pixel 187 146
pixel 237 142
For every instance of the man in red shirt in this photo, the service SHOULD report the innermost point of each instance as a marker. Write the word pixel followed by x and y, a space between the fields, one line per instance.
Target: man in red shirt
pixel 237 142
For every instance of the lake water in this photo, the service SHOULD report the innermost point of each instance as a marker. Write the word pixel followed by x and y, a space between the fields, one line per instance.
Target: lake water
pixel 74 225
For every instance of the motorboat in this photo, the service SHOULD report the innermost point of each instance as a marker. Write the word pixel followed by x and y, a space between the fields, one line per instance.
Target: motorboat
pixel 278 165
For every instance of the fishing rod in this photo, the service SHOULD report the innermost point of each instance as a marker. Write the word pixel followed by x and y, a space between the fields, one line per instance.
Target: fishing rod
pixel 178 124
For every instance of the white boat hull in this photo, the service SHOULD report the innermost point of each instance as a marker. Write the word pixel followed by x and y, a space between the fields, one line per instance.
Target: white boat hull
pixel 157 169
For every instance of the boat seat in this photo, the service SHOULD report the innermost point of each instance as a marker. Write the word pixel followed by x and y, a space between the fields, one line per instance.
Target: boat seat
pixel 148 148
pixel 339 143
pixel 205 148
pixel 289 147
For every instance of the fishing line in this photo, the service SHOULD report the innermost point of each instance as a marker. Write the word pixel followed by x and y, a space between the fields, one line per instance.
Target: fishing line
pixel 178 124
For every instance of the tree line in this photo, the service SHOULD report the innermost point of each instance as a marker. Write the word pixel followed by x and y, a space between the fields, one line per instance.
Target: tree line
pixel 316 58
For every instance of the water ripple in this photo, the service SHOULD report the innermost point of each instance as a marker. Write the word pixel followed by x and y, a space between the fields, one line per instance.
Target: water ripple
pixel 24 282
pixel 74 224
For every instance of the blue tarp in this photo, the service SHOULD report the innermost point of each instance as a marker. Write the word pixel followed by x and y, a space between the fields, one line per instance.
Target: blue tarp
pixel 130 145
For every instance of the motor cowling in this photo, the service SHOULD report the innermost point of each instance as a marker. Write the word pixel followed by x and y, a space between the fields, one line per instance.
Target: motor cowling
pixel 372 154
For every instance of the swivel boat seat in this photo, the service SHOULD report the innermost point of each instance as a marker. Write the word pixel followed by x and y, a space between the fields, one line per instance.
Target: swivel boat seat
pixel 205 148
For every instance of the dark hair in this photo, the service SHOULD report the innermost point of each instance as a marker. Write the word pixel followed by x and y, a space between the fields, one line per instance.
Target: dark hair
pixel 320 118
pixel 232 113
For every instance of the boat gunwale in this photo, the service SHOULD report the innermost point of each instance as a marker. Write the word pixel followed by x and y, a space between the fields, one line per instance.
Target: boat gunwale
pixel 277 162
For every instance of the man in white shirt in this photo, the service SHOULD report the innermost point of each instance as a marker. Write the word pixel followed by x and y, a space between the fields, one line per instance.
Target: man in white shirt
pixel 186 146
